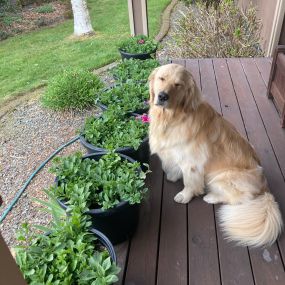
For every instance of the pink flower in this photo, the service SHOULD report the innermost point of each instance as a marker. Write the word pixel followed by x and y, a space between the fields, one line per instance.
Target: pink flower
pixel 144 118
pixel 141 41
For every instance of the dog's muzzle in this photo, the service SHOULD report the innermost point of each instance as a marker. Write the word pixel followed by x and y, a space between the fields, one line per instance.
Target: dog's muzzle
pixel 162 98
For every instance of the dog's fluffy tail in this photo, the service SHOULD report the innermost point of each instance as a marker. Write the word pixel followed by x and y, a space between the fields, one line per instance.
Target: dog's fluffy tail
pixel 255 222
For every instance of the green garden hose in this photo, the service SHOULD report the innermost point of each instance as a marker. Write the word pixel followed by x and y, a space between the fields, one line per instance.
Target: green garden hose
pixel 21 191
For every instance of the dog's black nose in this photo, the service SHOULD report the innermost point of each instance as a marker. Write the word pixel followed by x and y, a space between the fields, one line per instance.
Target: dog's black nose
pixel 162 96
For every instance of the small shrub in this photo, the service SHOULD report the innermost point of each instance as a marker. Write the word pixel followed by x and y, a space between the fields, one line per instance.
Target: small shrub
pixel 68 14
pixel 72 89
pixel 41 22
pixel 188 2
pixel 16 30
pixel 8 6
pixel 138 44
pixel 213 3
pixel 4 35
pixel 9 19
pixel 225 32
pixel 45 9
pixel 134 69
pixel 107 181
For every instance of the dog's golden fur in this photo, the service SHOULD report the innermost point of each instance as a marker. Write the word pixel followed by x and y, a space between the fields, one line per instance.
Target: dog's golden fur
pixel 195 143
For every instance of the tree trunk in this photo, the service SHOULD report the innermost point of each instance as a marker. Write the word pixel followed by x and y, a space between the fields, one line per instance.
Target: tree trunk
pixel 82 23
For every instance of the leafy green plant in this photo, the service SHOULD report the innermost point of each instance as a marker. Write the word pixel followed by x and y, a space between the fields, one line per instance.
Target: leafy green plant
pixel 8 6
pixel 134 69
pixel 4 35
pixel 8 19
pixel 107 181
pixel 72 89
pixel 213 3
pixel 67 254
pixel 111 131
pixel 42 21
pixel 138 44
pixel 188 2
pixel 45 9
pixel 127 97
pixel 221 30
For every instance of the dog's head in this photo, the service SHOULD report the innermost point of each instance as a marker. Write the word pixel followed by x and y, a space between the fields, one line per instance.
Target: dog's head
pixel 173 87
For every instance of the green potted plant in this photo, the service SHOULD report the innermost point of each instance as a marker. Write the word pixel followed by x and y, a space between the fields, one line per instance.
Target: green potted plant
pixel 129 97
pixel 117 132
pixel 139 47
pixel 113 185
pixel 134 69
pixel 67 252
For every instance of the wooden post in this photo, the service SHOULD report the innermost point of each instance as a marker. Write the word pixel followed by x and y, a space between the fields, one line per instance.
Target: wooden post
pixel 276 27
pixel 10 274
pixel 138 17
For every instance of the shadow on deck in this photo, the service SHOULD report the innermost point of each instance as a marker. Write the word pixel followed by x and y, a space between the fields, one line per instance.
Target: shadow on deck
pixel 182 244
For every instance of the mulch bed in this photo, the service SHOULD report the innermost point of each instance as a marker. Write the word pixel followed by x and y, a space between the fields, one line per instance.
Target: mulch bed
pixel 29 19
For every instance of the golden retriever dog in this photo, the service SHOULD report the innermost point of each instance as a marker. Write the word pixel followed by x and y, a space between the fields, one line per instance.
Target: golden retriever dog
pixel 195 143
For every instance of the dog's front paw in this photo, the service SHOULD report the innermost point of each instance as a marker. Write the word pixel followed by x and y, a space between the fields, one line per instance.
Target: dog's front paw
pixel 183 197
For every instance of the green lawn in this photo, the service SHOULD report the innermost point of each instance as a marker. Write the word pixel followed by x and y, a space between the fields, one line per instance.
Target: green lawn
pixel 29 60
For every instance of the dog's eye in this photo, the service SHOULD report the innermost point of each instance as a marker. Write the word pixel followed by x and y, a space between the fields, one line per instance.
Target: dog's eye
pixel 161 78
pixel 177 84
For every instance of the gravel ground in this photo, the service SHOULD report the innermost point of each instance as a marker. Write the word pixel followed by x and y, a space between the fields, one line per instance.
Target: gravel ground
pixel 28 135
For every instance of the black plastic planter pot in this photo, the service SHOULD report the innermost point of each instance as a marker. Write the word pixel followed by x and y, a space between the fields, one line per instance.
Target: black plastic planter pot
pixel 106 243
pixel 141 154
pixel 131 113
pixel 142 56
pixel 118 223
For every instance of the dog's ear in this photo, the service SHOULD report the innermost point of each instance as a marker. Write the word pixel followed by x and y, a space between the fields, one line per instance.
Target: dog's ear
pixel 151 79
pixel 193 95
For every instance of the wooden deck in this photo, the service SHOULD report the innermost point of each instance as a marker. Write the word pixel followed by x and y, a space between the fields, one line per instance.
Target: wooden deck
pixel 182 244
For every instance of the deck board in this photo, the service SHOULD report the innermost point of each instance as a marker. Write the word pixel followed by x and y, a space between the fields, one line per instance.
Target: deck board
pixel 263 65
pixel 173 244
pixel 268 112
pixel 183 244
pixel 266 149
pixel 142 259
pixel 203 249
pixel 172 257
pixel 264 272
pixel 122 251
pixel 235 261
